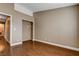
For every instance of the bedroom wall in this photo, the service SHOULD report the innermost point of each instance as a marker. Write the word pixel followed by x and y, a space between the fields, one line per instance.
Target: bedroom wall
pixel 59 26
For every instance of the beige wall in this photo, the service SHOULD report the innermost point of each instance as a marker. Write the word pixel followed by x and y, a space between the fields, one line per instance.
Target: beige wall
pixel 17 18
pixel 57 26
pixel 78 24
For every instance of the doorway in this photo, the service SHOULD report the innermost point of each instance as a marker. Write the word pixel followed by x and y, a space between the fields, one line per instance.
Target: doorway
pixel 27 30
pixel 5 27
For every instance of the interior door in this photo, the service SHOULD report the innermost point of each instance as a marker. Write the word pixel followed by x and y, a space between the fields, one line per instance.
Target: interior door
pixel 26 30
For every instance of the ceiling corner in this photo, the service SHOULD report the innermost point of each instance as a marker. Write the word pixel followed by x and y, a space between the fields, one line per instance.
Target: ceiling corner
pixel 21 9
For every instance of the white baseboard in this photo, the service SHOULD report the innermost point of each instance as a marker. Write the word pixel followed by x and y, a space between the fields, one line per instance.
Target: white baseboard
pixel 63 46
pixel 16 43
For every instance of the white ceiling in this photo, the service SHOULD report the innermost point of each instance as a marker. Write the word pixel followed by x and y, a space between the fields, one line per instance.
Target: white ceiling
pixel 36 7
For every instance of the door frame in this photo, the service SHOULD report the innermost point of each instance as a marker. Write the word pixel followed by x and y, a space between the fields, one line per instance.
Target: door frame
pixel 31 29
pixel 10 26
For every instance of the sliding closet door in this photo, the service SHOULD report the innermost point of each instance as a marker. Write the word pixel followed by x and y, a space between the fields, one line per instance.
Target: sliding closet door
pixel 26 30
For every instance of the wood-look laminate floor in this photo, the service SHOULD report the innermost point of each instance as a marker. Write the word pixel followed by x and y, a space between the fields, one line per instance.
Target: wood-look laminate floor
pixel 30 48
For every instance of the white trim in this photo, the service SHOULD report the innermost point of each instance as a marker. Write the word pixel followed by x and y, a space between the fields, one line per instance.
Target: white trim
pixel 63 46
pixel 21 9
pixel 10 29
pixel 16 44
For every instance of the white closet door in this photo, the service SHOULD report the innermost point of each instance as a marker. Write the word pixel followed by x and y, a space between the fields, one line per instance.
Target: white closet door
pixel 26 30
